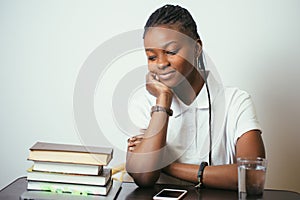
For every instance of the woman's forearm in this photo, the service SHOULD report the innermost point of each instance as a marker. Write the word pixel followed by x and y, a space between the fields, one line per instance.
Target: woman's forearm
pixel 144 159
pixel 222 176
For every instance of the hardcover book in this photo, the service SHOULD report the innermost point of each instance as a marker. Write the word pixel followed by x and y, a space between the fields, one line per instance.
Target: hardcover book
pixel 67 168
pixel 52 152
pixel 75 189
pixel 100 180
pixel 42 195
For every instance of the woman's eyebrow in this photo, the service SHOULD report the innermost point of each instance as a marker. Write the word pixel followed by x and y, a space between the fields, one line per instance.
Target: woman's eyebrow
pixel 169 43
pixel 164 46
pixel 149 49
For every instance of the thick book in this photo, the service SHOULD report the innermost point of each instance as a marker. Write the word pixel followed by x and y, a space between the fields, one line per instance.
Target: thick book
pixel 66 153
pixel 42 195
pixel 100 180
pixel 75 189
pixel 67 168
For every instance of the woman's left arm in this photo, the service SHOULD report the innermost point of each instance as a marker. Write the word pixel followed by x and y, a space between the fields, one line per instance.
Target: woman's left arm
pixel 250 144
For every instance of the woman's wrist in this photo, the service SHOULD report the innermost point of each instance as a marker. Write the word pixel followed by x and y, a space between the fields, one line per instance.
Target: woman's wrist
pixel 164 99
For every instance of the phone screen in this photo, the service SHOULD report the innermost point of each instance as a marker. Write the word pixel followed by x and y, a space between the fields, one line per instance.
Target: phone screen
pixel 170 194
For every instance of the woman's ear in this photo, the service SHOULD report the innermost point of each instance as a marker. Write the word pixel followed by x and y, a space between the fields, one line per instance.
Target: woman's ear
pixel 198 48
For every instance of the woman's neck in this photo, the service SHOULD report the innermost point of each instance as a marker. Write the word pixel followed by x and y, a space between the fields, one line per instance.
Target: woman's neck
pixel 189 88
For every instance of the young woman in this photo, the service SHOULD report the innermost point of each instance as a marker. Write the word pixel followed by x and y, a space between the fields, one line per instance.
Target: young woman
pixel 182 135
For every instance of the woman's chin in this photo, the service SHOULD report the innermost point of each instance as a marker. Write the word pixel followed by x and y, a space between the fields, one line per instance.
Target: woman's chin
pixel 172 83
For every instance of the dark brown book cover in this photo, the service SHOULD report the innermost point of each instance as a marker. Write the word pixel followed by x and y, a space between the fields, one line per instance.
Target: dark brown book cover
pixel 44 146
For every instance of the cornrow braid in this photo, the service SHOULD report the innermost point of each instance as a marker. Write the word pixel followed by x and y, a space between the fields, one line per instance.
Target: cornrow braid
pixel 173 15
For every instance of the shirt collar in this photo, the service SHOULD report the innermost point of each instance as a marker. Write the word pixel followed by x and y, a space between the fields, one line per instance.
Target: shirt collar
pixel 201 101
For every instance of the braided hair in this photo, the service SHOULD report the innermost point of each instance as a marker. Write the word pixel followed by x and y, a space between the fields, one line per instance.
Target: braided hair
pixel 172 15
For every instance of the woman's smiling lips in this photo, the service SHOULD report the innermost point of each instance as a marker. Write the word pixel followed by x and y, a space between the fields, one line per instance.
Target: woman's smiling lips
pixel 166 76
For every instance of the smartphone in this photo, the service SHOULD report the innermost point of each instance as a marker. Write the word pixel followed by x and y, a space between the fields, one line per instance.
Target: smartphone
pixel 170 194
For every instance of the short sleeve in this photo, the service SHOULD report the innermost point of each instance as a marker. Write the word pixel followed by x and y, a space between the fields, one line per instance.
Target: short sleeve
pixel 139 107
pixel 243 114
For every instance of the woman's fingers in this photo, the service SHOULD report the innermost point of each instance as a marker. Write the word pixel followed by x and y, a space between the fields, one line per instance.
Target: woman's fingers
pixel 131 146
pixel 151 77
pixel 134 141
pixel 154 86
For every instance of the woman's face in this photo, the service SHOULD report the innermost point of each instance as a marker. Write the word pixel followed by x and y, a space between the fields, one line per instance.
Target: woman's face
pixel 171 55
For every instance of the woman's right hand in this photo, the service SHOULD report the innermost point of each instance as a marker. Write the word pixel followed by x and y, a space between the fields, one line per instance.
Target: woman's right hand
pixel 162 92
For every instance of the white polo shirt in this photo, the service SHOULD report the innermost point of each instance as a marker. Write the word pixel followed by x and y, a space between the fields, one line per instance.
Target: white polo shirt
pixel 233 114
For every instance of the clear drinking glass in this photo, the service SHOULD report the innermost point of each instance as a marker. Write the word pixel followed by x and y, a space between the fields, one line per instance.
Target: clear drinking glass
pixel 251 176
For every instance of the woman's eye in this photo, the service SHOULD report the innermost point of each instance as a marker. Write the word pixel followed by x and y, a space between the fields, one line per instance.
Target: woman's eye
pixel 151 58
pixel 172 52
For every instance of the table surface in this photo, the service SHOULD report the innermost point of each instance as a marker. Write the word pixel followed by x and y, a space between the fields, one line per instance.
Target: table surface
pixel 131 191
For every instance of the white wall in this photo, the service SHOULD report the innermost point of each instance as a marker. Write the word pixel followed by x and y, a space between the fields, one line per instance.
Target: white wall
pixel 43 44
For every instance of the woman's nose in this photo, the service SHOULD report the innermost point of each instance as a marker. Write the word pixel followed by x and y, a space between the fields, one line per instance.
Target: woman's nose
pixel 163 62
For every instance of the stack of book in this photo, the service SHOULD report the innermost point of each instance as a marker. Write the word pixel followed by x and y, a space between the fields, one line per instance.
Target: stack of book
pixel 71 169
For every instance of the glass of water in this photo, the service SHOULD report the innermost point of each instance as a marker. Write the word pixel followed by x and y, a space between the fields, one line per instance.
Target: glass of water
pixel 251 176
